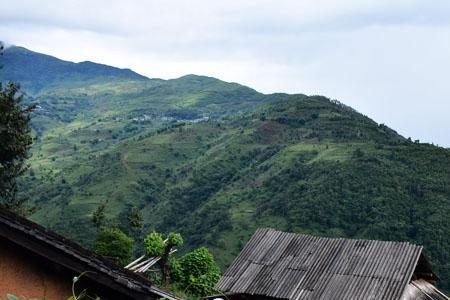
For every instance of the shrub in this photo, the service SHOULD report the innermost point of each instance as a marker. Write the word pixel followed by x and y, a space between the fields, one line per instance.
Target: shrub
pixel 197 272
pixel 154 244
pixel 115 244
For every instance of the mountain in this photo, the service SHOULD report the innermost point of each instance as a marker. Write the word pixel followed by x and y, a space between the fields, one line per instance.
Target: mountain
pixel 37 72
pixel 66 92
pixel 216 160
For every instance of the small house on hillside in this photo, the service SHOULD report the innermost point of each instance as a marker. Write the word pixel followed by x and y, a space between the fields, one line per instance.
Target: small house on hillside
pixel 280 265
pixel 38 263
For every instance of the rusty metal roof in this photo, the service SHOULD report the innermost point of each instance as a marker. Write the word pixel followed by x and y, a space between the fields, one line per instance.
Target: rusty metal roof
pixel 297 266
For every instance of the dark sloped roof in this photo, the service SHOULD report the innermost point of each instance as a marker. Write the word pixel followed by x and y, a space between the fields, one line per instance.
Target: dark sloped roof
pixel 297 266
pixel 70 255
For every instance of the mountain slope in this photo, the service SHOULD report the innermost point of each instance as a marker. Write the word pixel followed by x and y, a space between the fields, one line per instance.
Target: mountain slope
pixel 216 160
pixel 82 93
pixel 302 164
pixel 37 72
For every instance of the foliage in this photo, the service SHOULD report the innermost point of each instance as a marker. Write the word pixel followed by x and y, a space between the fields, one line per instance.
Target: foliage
pixel 154 244
pixel 15 141
pixel 98 216
pixel 174 239
pixel 113 243
pixel 196 272
pixel 135 219
pixel 175 271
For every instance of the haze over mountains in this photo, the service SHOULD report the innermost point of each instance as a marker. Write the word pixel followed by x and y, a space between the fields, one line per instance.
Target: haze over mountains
pixel 216 160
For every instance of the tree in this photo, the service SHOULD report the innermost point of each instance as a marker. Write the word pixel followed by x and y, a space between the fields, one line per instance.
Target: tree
pixel 173 240
pixel 98 216
pixel 155 246
pixel 135 219
pixel 115 244
pixel 15 142
pixel 196 272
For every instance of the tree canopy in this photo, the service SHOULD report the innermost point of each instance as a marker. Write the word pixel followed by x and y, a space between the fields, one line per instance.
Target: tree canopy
pixel 15 142
pixel 115 244
pixel 197 272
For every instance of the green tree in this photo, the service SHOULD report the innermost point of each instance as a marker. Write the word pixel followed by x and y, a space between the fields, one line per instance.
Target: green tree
pixel 98 216
pixel 115 244
pixel 173 240
pixel 196 272
pixel 155 246
pixel 15 142
pixel 135 219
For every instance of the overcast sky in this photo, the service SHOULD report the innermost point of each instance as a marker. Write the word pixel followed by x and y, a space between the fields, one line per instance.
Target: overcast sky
pixel 388 59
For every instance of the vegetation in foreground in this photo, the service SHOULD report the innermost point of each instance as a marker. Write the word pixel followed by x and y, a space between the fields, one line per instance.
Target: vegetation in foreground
pixel 193 274
pixel 15 142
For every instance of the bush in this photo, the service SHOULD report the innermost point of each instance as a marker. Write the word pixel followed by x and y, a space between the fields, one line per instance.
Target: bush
pixel 115 244
pixel 154 244
pixel 197 272
pixel 175 239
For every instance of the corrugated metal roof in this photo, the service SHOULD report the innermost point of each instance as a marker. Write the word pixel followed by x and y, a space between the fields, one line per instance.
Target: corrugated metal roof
pixel 297 266
pixel 422 290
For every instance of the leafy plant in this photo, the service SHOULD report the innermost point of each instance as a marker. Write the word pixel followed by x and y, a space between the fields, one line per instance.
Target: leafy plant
pixel 154 244
pixel 135 219
pixel 113 243
pixel 197 272
pixel 15 141
pixel 98 216
pixel 174 239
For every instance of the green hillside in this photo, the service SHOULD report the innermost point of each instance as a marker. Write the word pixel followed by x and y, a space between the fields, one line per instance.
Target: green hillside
pixel 216 160
pixel 302 164
pixel 38 72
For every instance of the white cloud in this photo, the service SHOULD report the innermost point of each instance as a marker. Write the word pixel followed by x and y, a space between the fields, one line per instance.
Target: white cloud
pixel 388 59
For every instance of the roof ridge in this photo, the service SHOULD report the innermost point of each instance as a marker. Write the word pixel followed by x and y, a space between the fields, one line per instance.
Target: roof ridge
pixel 340 238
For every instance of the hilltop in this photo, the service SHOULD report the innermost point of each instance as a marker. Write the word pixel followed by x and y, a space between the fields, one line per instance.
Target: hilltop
pixel 38 72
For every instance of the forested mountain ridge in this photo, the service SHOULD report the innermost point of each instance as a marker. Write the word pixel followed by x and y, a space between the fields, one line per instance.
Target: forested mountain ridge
pixel 68 92
pixel 37 72
pixel 216 160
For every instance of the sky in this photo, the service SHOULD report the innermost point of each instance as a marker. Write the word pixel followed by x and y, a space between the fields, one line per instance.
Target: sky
pixel 390 60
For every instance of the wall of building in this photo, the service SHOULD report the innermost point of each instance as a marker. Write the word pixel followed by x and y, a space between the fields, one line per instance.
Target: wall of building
pixel 24 274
